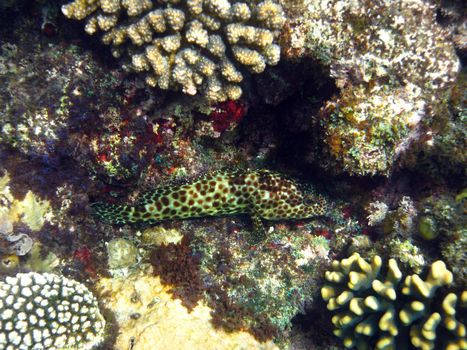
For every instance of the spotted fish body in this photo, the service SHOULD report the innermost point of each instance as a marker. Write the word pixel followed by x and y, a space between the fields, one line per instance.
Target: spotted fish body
pixel 260 193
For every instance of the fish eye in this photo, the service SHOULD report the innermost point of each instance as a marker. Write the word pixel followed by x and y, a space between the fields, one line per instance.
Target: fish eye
pixel 309 199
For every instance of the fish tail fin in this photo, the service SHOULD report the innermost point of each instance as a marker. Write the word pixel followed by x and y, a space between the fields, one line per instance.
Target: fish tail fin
pixel 118 214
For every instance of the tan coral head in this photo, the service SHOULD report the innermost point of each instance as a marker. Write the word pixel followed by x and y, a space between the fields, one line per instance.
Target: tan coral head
pixel 196 46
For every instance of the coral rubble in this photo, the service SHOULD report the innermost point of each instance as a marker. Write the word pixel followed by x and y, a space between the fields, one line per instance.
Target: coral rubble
pixel 195 46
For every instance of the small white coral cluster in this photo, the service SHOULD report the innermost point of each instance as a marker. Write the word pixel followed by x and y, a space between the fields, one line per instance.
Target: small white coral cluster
pixel 377 212
pixel 195 45
pixel 47 311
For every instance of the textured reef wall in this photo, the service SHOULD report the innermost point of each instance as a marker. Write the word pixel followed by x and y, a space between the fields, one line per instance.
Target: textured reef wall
pixel 394 66
pixel 366 106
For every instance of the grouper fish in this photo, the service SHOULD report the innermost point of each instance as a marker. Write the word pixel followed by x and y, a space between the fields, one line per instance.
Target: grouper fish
pixel 262 194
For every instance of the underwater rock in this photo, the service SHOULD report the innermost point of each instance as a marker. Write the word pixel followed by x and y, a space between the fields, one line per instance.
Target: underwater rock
pixel 148 317
pixel 395 67
pixel 121 253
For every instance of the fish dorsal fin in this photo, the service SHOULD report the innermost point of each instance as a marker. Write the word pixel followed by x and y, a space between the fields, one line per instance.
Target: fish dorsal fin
pixel 173 184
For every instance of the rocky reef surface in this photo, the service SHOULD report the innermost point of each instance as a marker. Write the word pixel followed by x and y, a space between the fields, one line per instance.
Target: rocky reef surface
pixel 105 100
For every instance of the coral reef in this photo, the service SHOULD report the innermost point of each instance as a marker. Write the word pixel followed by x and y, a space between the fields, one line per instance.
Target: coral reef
pixel 394 65
pixel 240 277
pixel 148 317
pixel 377 311
pixel 416 230
pixel 367 88
pixel 195 46
pixel 46 311
pixel 440 151
pixel 400 221
pixel 443 215
pixel 40 101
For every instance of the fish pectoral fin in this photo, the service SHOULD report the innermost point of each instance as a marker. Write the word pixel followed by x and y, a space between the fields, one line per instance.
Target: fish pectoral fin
pixel 259 231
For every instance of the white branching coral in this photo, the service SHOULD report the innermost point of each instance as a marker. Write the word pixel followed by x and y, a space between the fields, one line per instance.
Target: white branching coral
pixel 198 46
pixel 377 212
pixel 47 311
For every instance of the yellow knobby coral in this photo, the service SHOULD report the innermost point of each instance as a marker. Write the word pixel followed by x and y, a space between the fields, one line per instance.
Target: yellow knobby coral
pixel 374 311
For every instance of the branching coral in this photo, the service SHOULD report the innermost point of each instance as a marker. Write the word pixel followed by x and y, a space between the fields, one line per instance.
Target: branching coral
pixel 191 45
pixel 374 310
